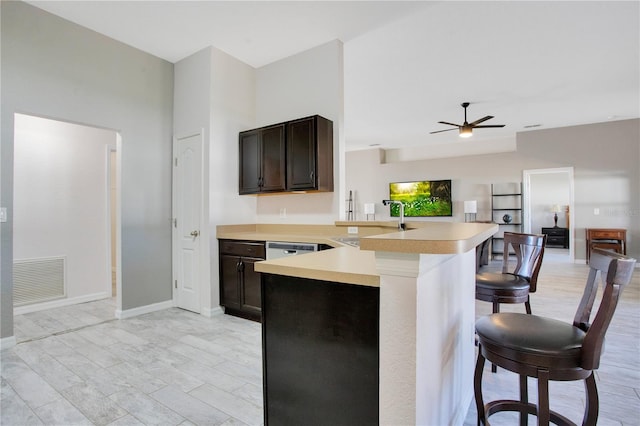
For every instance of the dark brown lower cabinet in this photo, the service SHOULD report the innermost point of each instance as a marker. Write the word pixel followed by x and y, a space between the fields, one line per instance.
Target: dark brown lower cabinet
pixel 239 283
pixel 320 352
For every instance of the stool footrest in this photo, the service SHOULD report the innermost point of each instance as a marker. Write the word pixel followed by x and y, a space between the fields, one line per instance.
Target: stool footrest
pixel 501 405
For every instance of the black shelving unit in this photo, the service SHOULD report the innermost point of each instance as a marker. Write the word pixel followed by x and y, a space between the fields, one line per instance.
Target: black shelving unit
pixel 506 199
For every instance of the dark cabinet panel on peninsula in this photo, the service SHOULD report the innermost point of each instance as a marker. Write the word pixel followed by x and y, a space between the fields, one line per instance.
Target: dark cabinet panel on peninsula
pixel 320 352
pixel 239 283
pixel 293 156
pixel 262 160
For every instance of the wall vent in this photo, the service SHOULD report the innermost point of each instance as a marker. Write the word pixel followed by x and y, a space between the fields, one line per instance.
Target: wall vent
pixel 38 280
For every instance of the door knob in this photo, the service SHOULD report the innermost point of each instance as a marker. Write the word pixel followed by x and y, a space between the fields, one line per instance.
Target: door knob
pixel 194 234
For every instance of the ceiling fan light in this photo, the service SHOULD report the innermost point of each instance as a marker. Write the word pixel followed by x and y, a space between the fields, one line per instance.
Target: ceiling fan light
pixel 465 132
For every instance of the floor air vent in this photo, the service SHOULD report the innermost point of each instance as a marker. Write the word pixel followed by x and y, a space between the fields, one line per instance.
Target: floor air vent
pixel 38 280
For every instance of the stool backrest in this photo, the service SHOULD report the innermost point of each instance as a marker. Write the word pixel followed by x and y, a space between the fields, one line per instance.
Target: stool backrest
pixel 529 251
pixel 615 270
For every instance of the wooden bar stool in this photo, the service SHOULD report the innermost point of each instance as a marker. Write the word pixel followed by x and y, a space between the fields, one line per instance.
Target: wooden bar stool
pixel 519 275
pixel 547 349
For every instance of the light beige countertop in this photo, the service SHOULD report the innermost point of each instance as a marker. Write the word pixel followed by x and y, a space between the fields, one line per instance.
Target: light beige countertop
pixel 321 234
pixel 352 265
pixel 343 264
pixel 432 238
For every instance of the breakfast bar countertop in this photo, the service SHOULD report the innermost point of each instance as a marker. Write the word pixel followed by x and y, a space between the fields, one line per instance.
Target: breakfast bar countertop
pixel 343 264
pixel 420 237
pixel 432 238
pixel 358 266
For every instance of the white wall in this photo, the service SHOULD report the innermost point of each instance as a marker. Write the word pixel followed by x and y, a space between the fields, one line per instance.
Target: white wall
pixel 547 190
pixel 60 200
pixel 605 158
pixel 232 110
pixel 191 115
pixel 54 68
pixel 369 176
pixel 606 162
pixel 215 93
pixel 305 84
pixel 233 101
pixel 223 96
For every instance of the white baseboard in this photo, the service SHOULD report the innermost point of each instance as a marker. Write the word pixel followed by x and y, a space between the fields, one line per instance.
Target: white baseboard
pixel 129 313
pixel 7 342
pixel 209 312
pixel 58 303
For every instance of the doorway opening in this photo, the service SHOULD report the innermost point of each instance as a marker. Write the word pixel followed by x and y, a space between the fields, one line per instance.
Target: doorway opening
pixel 66 210
pixel 549 208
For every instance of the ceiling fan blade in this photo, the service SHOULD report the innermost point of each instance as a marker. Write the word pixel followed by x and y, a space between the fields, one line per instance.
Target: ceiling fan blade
pixel 450 124
pixel 488 126
pixel 483 119
pixel 440 131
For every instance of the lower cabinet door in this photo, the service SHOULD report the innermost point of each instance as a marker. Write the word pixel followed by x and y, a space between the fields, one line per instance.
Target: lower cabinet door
pixel 321 359
pixel 251 297
pixel 230 281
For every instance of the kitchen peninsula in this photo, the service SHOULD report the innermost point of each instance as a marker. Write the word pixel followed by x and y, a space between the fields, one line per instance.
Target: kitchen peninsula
pixel 398 313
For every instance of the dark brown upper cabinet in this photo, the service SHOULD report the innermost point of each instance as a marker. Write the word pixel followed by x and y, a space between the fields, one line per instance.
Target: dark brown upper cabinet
pixel 262 160
pixel 293 156
pixel 310 154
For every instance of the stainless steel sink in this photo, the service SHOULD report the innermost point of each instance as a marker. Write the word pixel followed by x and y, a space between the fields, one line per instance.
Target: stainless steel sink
pixel 351 241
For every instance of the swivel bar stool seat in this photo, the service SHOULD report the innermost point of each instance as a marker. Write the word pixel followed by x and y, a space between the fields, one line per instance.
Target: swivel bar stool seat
pixel 547 349
pixel 519 275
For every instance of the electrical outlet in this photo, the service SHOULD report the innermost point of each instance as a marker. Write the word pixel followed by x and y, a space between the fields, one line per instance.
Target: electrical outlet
pixel 352 230
pixel 3 214
pixel 283 212
pixel 596 211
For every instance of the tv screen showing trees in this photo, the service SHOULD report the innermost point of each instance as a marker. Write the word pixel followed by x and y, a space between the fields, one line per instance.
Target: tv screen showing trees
pixel 425 198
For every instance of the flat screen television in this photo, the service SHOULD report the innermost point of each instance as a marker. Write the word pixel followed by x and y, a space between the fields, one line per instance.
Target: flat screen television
pixel 424 198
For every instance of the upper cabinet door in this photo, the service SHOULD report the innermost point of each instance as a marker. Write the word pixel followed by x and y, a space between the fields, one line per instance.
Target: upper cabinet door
pixel 310 154
pixel 262 160
pixel 250 162
pixel 273 158
pixel 301 154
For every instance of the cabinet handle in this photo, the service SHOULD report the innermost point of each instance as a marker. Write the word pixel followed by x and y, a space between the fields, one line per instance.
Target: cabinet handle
pixel 311 176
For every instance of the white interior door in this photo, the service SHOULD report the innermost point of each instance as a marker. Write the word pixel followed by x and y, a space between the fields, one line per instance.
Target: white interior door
pixel 187 200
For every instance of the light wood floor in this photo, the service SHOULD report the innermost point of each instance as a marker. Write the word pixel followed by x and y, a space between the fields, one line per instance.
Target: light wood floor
pixel 560 287
pixel 77 365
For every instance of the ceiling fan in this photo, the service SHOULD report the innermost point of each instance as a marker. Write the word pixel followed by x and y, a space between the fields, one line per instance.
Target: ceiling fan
pixel 466 129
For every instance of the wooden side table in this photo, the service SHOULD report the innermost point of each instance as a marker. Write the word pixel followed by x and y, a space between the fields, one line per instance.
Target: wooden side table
pixel 606 238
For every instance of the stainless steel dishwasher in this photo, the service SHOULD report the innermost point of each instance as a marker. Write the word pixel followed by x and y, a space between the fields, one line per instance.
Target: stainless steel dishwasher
pixel 278 249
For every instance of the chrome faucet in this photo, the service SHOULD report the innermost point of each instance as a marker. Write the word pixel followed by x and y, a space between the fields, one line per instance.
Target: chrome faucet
pixel 401 225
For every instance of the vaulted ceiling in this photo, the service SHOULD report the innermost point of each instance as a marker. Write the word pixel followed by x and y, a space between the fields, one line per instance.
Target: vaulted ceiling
pixel 408 65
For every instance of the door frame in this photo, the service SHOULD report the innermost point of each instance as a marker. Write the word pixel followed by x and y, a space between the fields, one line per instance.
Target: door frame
pixel 526 200
pixel 203 240
pixel 116 147
pixel 118 271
